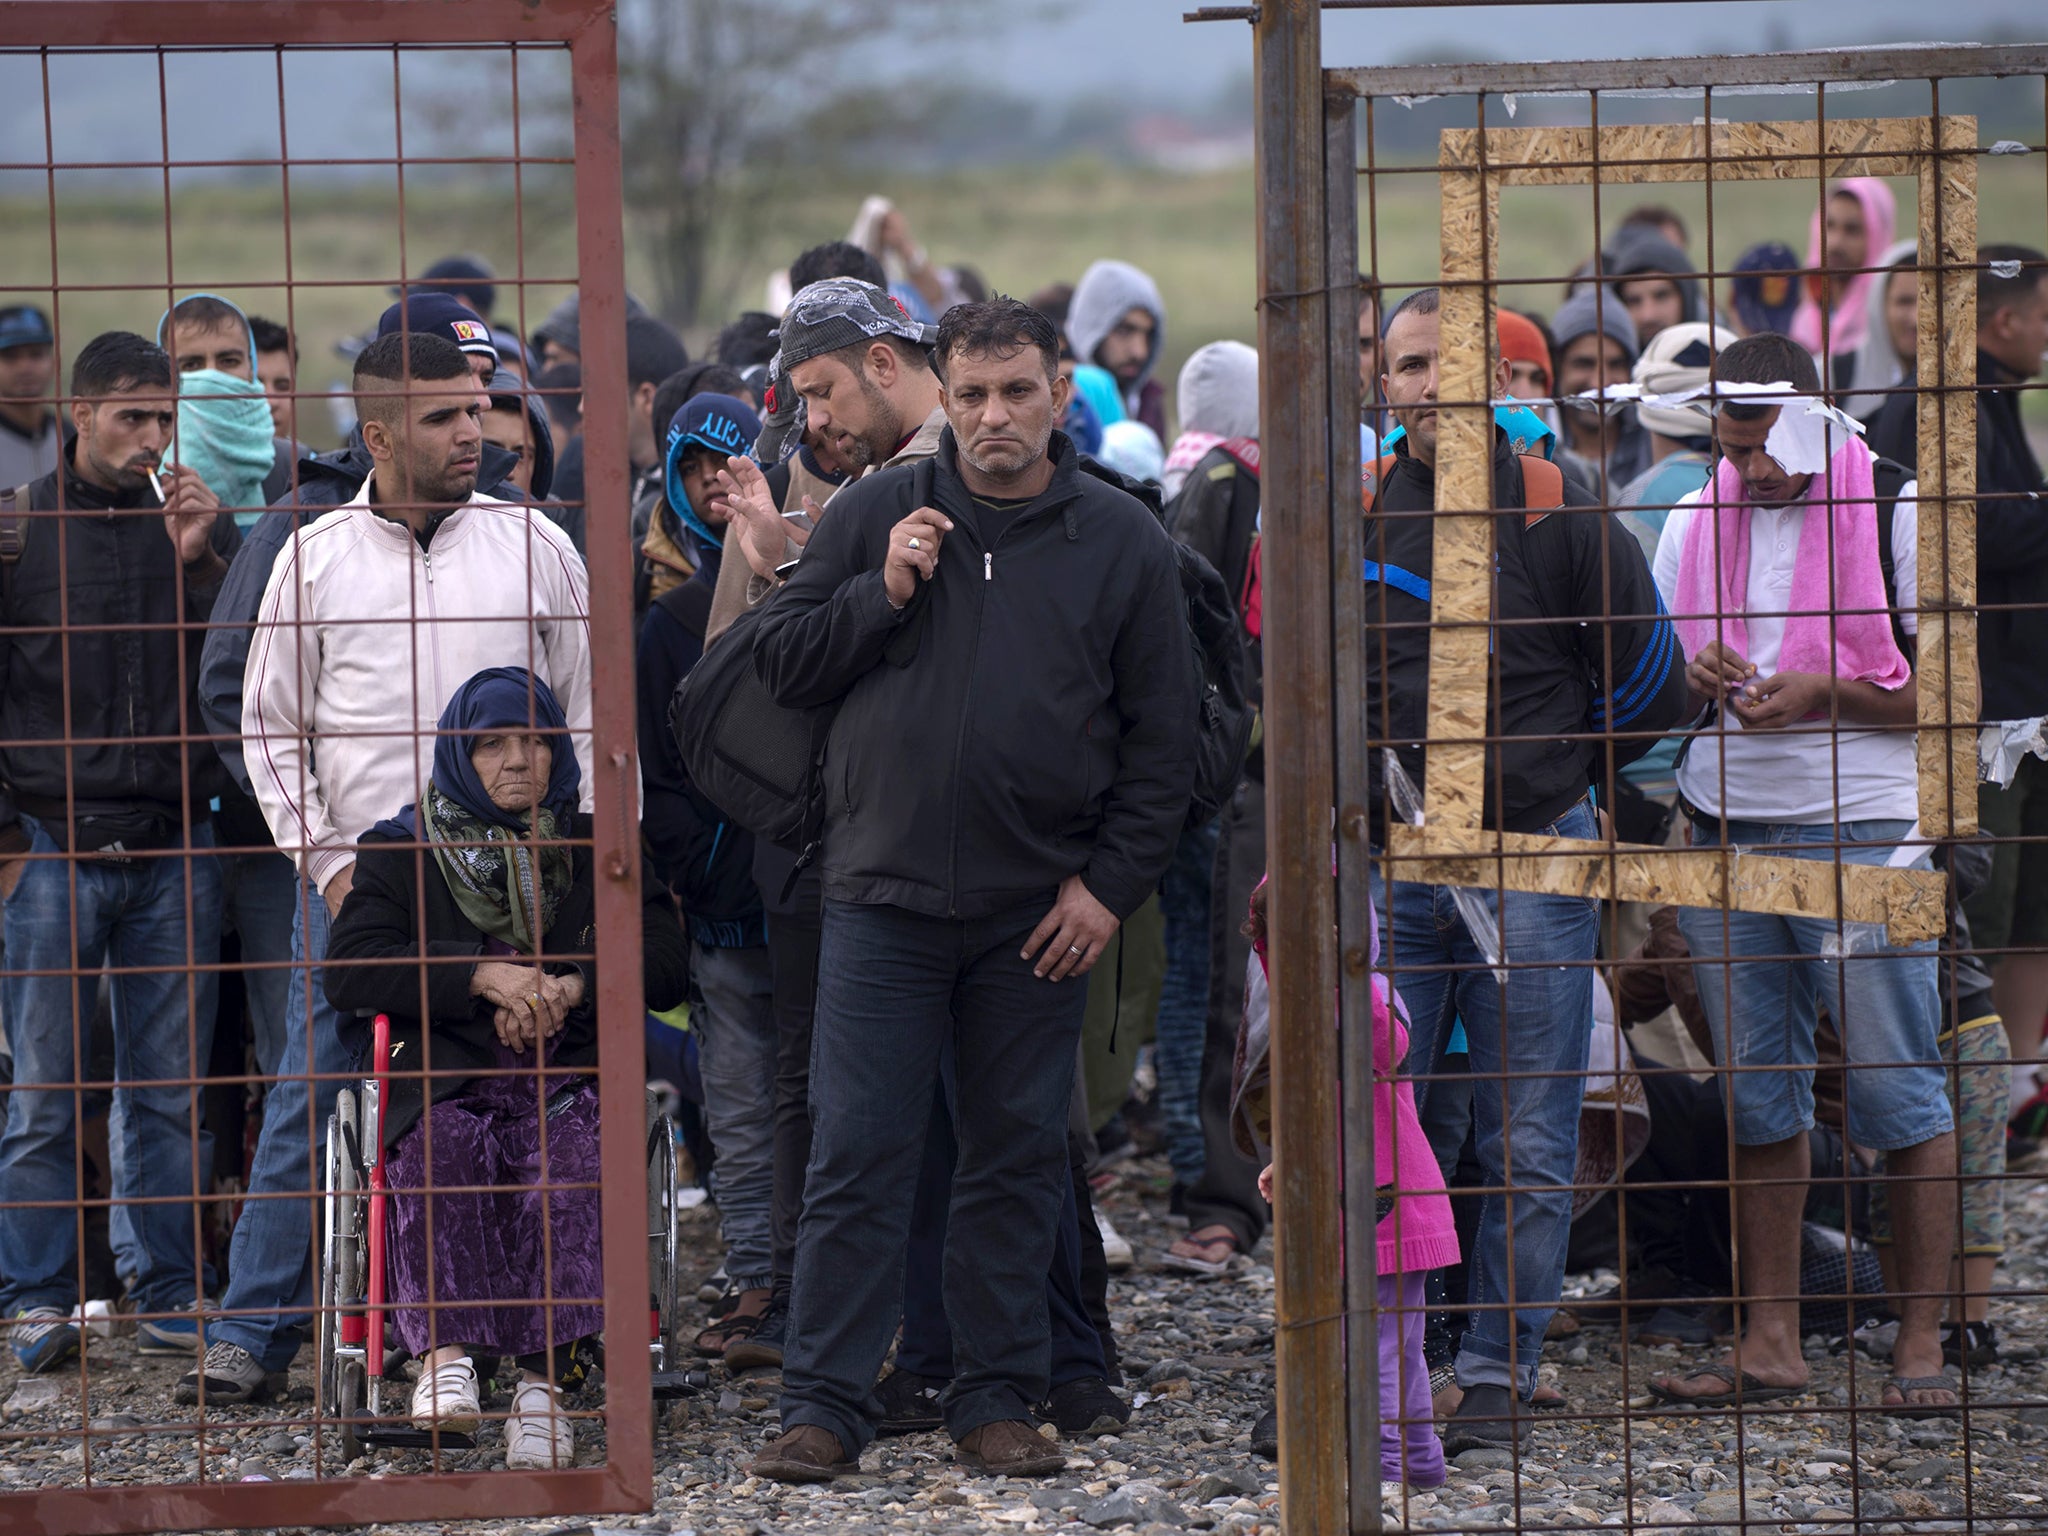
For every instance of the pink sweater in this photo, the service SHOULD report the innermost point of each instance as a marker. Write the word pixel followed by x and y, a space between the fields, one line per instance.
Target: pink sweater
pixel 1418 1232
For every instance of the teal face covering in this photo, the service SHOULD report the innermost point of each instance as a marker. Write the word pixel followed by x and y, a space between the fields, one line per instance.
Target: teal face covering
pixel 226 436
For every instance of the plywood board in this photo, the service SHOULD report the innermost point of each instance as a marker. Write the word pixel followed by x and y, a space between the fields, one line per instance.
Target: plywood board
pixel 1633 155
pixel 1947 663
pixel 1452 847
pixel 1911 904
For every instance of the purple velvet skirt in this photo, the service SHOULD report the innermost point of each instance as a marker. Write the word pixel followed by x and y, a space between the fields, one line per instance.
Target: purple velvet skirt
pixel 507 1262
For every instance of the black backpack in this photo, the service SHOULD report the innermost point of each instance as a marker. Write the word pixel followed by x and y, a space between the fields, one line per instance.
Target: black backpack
pixel 760 762
pixel 1216 641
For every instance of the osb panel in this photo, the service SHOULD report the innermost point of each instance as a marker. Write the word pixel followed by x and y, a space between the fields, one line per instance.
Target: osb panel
pixel 1630 154
pixel 1947 662
pixel 1461 573
pixel 1475 165
pixel 1911 904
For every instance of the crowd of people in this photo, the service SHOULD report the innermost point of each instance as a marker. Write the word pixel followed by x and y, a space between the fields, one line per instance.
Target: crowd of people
pixel 1008 950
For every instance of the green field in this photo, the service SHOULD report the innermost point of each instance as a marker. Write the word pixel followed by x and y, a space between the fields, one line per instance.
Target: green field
pixel 1022 227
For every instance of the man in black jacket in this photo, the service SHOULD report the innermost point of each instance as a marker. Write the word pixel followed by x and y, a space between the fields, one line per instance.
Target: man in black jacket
pixel 97 571
pixel 2010 912
pixel 1580 646
pixel 1008 772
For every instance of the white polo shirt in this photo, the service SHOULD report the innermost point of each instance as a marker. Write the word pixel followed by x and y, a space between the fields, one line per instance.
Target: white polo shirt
pixel 1791 774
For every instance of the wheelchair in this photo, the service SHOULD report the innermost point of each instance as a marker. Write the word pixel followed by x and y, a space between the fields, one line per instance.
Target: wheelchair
pixel 355 1354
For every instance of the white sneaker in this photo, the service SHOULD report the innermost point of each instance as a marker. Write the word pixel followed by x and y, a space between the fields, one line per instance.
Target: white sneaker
pixel 539 1436
pixel 1116 1248
pixel 445 1398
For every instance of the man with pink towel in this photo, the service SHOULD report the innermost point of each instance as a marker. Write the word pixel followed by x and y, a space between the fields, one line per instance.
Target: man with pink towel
pixel 1776 575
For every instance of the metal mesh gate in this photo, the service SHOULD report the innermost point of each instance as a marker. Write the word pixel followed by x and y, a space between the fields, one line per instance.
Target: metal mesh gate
pixel 1498 187
pixel 388 134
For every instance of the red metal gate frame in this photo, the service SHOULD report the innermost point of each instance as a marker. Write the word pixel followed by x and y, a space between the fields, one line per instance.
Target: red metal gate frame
pixel 588 30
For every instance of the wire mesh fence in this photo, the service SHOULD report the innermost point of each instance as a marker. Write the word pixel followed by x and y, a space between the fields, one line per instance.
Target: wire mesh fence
pixel 1666 934
pixel 218 1148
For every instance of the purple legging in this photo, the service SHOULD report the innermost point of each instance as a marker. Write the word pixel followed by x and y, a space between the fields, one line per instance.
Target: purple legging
pixel 1407 1419
pixel 488 1248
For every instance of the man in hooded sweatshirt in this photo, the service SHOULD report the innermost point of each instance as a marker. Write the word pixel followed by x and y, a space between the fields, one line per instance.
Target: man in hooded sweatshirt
pixel 1117 321
pixel 1655 282
pixel 1216 514
pixel 708 864
pixel 1603 446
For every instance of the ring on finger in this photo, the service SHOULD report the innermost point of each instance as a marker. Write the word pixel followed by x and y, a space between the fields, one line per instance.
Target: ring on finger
pixel 1074 949
pixel 915 545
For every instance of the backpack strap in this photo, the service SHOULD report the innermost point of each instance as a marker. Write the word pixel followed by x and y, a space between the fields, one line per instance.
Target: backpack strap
pixel 1376 476
pixel 1542 489
pixel 13 524
pixel 1888 478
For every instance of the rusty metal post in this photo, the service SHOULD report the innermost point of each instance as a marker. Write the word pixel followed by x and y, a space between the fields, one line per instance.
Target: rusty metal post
pixel 1294 370
pixel 1352 789
pixel 614 715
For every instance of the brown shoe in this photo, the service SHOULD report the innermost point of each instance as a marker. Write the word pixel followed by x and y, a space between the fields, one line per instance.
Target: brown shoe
pixel 810 1453
pixel 1010 1448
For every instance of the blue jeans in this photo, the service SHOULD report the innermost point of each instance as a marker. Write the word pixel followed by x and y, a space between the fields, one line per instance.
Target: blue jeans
pixel 126 916
pixel 734 1020
pixel 260 890
pixel 1887 1003
pixel 271 1265
pixel 1184 1000
pixel 894 988
pixel 1524 1126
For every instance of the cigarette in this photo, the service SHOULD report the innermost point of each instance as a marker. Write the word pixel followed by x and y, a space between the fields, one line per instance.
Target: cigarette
pixel 157 486
pixel 798 513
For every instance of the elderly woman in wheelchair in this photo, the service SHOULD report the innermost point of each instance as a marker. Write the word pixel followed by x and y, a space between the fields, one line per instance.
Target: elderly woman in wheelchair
pixel 471 924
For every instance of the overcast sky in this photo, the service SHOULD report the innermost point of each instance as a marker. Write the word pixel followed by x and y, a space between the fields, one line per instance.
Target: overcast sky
pixel 339 104
pixel 1144 43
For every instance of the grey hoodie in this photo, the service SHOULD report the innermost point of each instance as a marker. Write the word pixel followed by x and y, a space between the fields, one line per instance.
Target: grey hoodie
pixel 1108 291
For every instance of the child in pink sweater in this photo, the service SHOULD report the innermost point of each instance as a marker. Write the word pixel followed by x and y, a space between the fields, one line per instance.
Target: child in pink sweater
pixel 1415 1229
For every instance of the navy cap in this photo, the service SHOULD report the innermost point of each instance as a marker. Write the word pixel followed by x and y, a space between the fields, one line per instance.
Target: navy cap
pixel 718 422
pixel 23 325
pixel 464 277
pixel 435 314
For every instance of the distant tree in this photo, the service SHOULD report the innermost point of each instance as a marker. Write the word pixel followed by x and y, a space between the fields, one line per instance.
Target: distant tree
pixel 718 99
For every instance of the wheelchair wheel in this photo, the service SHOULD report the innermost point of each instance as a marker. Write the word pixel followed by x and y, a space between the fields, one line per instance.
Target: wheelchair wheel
pixel 342 1385
pixel 664 1190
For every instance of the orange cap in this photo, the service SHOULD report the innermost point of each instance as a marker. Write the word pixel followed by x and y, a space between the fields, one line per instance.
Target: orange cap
pixel 1522 342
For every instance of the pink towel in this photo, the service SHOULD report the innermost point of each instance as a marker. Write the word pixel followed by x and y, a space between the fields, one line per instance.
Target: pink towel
pixel 1839 619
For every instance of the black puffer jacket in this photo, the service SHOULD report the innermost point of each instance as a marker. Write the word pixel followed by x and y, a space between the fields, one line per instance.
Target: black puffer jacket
pixel 1562 666
pixel 131 666
pixel 1040 724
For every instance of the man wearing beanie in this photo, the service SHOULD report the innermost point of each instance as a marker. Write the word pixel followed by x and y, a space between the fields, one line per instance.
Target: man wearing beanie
pixel 1680 437
pixel 1596 347
pixel 31 437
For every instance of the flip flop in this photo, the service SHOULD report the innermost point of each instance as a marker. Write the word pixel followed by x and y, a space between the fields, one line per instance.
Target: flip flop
pixel 1748 1390
pixel 1195 1265
pixel 1905 1409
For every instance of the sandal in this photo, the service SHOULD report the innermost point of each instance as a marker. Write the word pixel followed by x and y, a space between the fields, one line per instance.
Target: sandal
pixel 1196 1252
pixel 742 1322
pixel 1744 1389
pixel 1906 1408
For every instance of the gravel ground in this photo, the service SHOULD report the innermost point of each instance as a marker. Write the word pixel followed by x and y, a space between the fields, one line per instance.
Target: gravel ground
pixel 1198 1354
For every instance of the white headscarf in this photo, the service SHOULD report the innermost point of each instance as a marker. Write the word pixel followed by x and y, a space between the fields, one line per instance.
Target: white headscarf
pixel 1877 366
